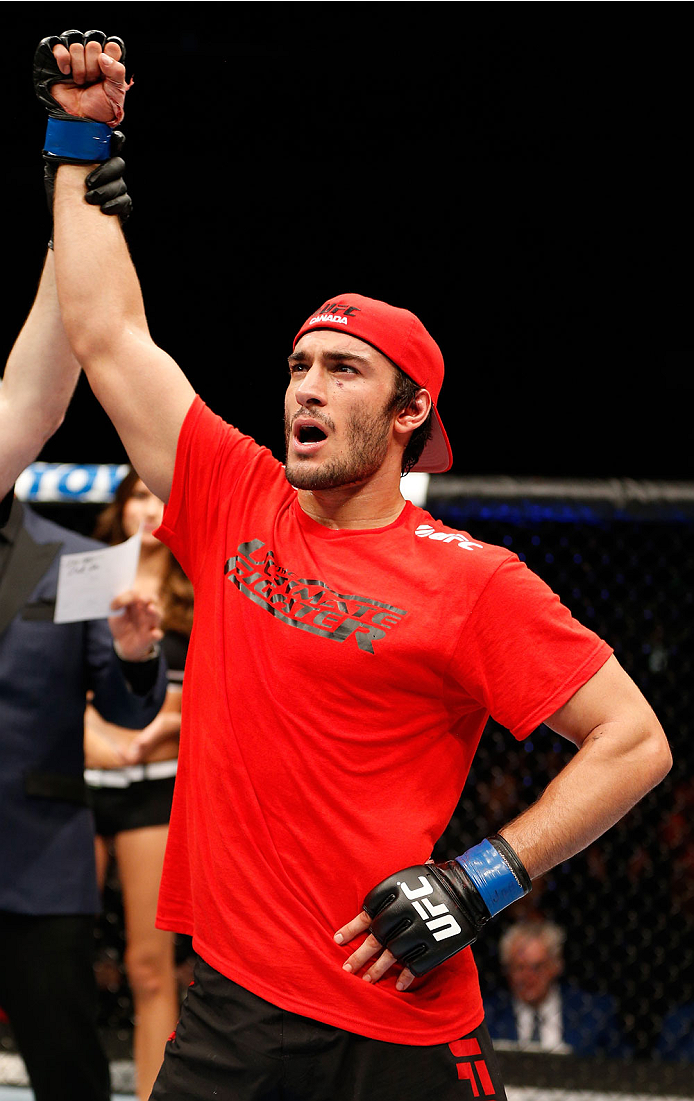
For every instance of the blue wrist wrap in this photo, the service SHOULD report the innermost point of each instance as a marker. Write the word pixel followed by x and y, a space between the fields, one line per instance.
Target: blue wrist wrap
pixel 491 876
pixel 81 140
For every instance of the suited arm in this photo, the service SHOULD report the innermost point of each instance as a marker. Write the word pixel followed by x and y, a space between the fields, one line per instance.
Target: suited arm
pixel 127 693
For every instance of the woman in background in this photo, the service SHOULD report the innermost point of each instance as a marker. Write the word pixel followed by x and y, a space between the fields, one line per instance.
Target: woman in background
pixel 131 776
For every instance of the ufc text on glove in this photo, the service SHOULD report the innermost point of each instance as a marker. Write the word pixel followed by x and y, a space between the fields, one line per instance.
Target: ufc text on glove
pixel 427 913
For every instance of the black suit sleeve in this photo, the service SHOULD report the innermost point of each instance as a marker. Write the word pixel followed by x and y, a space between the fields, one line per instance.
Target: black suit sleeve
pixel 115 698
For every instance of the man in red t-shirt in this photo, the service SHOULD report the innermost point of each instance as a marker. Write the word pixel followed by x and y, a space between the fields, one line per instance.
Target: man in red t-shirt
pixel 347 651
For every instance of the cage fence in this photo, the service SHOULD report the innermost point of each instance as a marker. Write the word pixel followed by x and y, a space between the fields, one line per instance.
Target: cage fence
pixel 620 554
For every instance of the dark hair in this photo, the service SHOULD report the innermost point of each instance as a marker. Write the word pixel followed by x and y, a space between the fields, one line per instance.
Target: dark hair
pixel 404 393
pixel 176 590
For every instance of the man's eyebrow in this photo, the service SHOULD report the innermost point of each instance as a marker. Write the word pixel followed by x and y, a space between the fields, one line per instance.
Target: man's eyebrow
pixel 333 357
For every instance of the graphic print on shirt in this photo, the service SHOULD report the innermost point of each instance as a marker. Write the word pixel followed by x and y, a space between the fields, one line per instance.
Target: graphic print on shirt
pixel 306 603
pixel 425 531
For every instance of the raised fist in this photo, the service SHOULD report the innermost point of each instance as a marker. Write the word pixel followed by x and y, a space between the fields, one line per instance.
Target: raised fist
pixel 82 76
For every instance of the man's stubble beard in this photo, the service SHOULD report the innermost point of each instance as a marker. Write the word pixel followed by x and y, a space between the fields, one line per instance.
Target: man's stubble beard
pixel 368 437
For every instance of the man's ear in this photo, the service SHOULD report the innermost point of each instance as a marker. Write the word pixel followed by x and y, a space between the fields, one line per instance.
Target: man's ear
pixel 415 414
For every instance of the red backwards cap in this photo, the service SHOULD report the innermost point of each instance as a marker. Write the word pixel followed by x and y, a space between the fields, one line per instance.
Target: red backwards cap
pixel 400 336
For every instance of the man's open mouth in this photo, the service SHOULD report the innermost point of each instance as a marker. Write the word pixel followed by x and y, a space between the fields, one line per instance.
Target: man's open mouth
pixel 310 433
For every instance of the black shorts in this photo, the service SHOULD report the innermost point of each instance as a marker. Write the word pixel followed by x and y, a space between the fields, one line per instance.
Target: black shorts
pixel 233 1046
pixel 143 803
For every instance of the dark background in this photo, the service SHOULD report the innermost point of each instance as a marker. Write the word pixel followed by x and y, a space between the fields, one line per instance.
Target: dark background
pixel 514 173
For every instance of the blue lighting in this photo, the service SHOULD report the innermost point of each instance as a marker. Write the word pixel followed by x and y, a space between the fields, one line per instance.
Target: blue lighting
pixel 524 511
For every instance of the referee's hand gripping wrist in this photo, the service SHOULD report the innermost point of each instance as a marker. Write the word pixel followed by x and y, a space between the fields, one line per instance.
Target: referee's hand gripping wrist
pixel 427 913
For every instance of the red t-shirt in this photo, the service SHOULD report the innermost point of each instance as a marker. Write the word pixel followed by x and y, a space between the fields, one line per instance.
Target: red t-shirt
pixel 336 688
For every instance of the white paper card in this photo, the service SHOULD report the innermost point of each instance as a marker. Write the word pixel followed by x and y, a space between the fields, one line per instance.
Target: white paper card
pixel 89 581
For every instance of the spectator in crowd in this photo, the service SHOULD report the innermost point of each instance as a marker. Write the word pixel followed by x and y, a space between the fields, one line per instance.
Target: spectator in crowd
pixel 540 1013
pixel 131 777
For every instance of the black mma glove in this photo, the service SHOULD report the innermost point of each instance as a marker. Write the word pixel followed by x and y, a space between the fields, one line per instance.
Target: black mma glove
pixel 427 913
pixel 71 139
pixel 106 187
